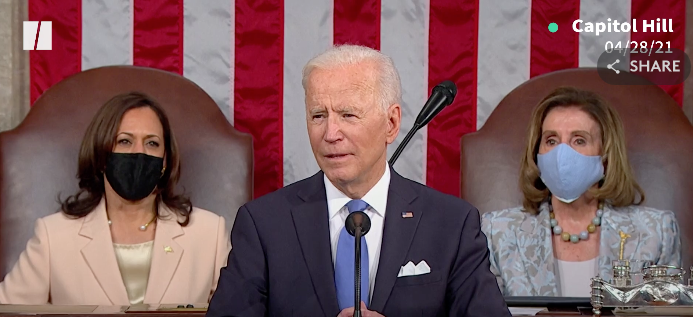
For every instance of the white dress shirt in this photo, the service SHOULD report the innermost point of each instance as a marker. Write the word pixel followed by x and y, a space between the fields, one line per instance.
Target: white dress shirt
pixel 338 212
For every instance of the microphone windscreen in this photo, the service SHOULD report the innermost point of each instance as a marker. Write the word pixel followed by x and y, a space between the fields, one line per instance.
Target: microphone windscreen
pixel 358 219
pixel 449 89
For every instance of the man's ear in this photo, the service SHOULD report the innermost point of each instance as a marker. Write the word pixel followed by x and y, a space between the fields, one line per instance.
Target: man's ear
pixel 394 119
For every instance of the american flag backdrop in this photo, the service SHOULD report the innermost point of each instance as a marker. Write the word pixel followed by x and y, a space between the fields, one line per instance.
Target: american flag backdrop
pixel 248 55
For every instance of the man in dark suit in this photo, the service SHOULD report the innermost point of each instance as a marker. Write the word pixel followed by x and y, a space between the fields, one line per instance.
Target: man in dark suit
pixel 424 255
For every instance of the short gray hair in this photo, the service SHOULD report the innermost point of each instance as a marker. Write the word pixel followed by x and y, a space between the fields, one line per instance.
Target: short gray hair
pixel 390 90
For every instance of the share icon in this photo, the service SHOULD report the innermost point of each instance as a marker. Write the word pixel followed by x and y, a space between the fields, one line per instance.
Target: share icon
pixel 611 66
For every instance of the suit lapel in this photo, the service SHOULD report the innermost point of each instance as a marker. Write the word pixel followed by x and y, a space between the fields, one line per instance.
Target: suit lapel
pixel 100 255
pixel 614 222
pixel 398 233
pixel 535 233
pixel 166 255
pixel 312 228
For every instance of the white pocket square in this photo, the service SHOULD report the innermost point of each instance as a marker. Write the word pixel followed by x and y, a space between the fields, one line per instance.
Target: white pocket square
pixel 411 270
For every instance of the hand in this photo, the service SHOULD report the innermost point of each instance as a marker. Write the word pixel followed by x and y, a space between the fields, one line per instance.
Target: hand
pixel 349 312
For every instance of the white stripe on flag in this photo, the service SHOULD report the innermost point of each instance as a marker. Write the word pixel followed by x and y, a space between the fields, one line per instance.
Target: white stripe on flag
pixel 208 36
pixel 591 46
pixel 404 37
pixel 307 32
pixel 106 33
pixel 503 57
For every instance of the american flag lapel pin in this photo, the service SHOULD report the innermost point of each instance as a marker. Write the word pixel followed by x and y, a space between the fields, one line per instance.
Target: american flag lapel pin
pixel 407 214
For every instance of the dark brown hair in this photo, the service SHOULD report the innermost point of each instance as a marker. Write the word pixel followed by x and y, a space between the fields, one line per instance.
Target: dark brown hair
pixel 618 186
pixel 97 145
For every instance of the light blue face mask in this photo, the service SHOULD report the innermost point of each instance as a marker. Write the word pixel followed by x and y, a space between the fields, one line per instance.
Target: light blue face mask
pixel 567 173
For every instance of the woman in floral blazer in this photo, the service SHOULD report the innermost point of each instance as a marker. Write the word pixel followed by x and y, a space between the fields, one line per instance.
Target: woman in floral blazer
pixel 582 206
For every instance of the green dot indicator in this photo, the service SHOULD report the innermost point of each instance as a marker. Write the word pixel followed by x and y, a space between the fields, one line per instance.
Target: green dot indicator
pixel 553 27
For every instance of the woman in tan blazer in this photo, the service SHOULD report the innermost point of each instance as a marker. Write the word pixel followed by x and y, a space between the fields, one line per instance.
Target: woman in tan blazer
pixel 125 237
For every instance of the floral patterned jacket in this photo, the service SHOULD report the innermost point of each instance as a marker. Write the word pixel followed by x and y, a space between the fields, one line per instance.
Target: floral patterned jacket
pixel 521 251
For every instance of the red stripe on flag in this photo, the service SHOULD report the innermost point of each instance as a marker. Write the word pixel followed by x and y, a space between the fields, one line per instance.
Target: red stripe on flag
pixel 258 87
pixel 158 34
pixel 46 68
pixel 662 9
pixel 452 54
pixel 553 51
pixel 357 22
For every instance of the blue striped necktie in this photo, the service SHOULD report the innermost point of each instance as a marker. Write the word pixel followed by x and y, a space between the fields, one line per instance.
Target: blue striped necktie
pixel 344 263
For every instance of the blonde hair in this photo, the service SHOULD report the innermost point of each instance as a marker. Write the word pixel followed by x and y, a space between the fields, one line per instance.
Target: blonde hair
pixel 618 186
pixel 390 90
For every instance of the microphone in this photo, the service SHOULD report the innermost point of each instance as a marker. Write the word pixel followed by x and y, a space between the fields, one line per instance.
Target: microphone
pixel 357 224
pixel 442 95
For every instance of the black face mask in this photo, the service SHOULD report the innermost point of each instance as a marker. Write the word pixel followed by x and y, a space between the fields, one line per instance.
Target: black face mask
pixel 133 175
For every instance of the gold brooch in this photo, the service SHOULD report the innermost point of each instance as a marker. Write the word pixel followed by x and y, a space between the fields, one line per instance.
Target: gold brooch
pixel 168 249
pixel 623 236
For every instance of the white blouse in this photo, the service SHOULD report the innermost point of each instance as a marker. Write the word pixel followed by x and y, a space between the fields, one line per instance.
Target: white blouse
pixel 134 261
pixel 576 277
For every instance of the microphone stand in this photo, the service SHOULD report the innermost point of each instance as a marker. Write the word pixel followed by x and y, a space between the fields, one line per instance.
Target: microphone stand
pixel 404 143
pixel 357 272
pixel 443 94
pixel 357 224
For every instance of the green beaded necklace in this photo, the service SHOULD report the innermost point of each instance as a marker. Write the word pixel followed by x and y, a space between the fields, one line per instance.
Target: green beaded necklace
pixel 575 238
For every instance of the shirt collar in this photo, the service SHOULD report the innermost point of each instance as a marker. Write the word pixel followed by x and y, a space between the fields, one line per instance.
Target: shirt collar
pixel 376 197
